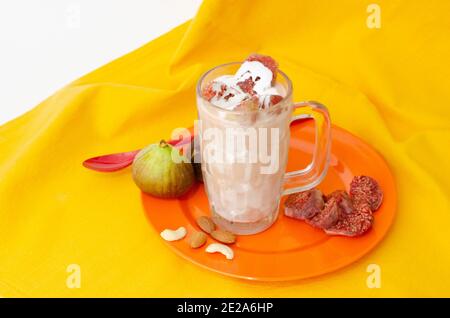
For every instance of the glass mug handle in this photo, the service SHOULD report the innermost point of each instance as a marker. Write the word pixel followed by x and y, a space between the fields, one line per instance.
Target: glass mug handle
pixel 313 174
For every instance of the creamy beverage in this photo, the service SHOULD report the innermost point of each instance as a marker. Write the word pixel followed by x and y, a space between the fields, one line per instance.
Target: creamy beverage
pixel 245 111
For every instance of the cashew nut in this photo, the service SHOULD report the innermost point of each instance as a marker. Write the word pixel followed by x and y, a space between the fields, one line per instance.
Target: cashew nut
pixel 220 248
pixel 173 235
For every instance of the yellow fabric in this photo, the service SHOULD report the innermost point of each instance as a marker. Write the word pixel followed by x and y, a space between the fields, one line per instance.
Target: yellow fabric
pixel 389 86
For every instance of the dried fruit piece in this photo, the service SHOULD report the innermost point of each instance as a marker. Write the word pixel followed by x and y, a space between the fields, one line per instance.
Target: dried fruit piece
pixel 250 104
pixel 269 100
pixel 267 61
pixel 353 224
pixel 206 224
pixel 208 92
pixel 341 214
pixel 342 199
pixel 173 235
pixel 275 99
pixel 304 205
pixel 327 217
pixel 224 236
pixel 247 86
pixel 197 239
pixel 366 189
pixel 212 89
pixel 220 248
pixel 338 204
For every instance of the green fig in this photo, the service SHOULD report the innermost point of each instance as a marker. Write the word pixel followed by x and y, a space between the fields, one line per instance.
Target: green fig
pixel 162 171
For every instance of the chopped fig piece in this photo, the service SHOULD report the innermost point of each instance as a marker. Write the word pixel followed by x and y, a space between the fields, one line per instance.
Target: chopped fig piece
pixel 364 189
pixel 228 96
pixel 223 88
pixel 250 104
pixel 304 205
pixel 247 86
pixel 341 214
pixel 208 92
pixel 353 224
pixel 213 89
pixel 337 205
pixel 267 61
pixel 270 100
pixel 275 99
pixel 327 217
pixel 342 199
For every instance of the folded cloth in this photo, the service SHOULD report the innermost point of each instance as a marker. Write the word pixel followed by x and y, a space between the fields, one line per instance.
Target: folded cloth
pixel 384 80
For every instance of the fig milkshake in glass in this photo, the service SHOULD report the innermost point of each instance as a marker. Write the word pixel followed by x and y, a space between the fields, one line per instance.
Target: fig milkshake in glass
pixel 245 111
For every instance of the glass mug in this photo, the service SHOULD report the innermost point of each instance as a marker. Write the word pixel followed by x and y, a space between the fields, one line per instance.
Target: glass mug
pixel 244 155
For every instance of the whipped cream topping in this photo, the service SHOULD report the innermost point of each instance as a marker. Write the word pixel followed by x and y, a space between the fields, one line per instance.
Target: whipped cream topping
pixel 262 77
pixel 258 72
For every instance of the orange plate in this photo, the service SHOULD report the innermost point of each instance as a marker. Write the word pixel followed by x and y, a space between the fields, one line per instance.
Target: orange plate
pixel 290 249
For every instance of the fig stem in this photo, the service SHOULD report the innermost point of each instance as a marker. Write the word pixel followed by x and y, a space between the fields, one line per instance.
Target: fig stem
pixel 163 143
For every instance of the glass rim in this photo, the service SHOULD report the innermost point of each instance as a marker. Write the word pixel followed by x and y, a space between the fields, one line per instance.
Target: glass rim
pixel 275 107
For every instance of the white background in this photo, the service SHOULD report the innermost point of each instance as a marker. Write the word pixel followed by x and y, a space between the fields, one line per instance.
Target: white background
pixel 45 44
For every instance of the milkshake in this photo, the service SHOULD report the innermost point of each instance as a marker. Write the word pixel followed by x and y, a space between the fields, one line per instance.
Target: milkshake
pixel 245 110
